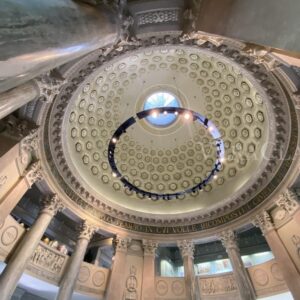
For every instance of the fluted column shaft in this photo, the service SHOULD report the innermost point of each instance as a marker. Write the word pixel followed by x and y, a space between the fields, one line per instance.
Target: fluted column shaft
pixel 282 257
pixel 187 252
pixel 148 284
pixel 69 279
pixel 21 256
pixel 117 279
pixel 240 273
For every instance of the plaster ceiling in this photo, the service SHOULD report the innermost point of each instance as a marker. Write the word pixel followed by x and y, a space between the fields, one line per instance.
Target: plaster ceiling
pixel 178 156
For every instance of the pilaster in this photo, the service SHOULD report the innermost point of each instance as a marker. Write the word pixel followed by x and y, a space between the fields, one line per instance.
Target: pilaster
pixel 117 279
pixel 148 285
pixel 285 262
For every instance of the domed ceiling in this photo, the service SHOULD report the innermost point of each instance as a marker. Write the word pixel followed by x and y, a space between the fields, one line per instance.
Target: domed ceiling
pixel 175 156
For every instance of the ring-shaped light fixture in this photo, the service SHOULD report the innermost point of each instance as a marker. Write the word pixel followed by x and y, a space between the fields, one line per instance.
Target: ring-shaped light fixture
pixel 178 111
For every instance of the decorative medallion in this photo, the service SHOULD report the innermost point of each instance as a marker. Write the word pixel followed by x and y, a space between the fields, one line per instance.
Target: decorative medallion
pixel 161 287
pixel 98 278
pixel 84 274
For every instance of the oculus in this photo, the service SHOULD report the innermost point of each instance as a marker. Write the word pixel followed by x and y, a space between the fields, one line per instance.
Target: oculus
pixel 161 99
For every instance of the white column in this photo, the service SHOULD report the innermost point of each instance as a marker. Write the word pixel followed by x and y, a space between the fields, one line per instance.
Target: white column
pixel 71 272
pixel 282 257
pixel 17 97
pixel 246 290
pixel 117 277
pixel 19 260
pixel 187 248
pixel 148 284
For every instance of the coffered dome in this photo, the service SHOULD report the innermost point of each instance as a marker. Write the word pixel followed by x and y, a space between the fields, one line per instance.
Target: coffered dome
pixel 243 100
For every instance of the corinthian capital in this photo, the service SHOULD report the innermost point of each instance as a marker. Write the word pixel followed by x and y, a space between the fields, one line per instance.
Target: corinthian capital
pixel 264 222
pixel 49 85
pixel 34 173
pixel 121 243
pixel 52 205
pixel 86 230
pixel 149 247
pixel 186 248
pixel 228 239
pixel 288 201
pixel 28 144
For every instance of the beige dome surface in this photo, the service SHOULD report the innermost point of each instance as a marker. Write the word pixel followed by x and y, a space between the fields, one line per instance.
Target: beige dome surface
pixel 171 159
pixel 164 159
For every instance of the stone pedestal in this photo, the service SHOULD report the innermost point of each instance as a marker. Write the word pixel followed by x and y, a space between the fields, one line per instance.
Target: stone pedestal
pixel 187 252
pixel 12 198
pixel 148 285
pixel 71 272
pixel 117 279
pixel 19 260
pixel 282 257
pixel 242 278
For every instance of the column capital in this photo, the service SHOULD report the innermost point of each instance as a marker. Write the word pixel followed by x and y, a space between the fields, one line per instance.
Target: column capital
pixel 186 248
pixel 121 243
pixel 264 222
pixel 49 85
pixel 33 173
pixel 228 239
pixel 86 230
pixel 150 247
pixel 51 205
pixel 28 144
pixel 288 201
